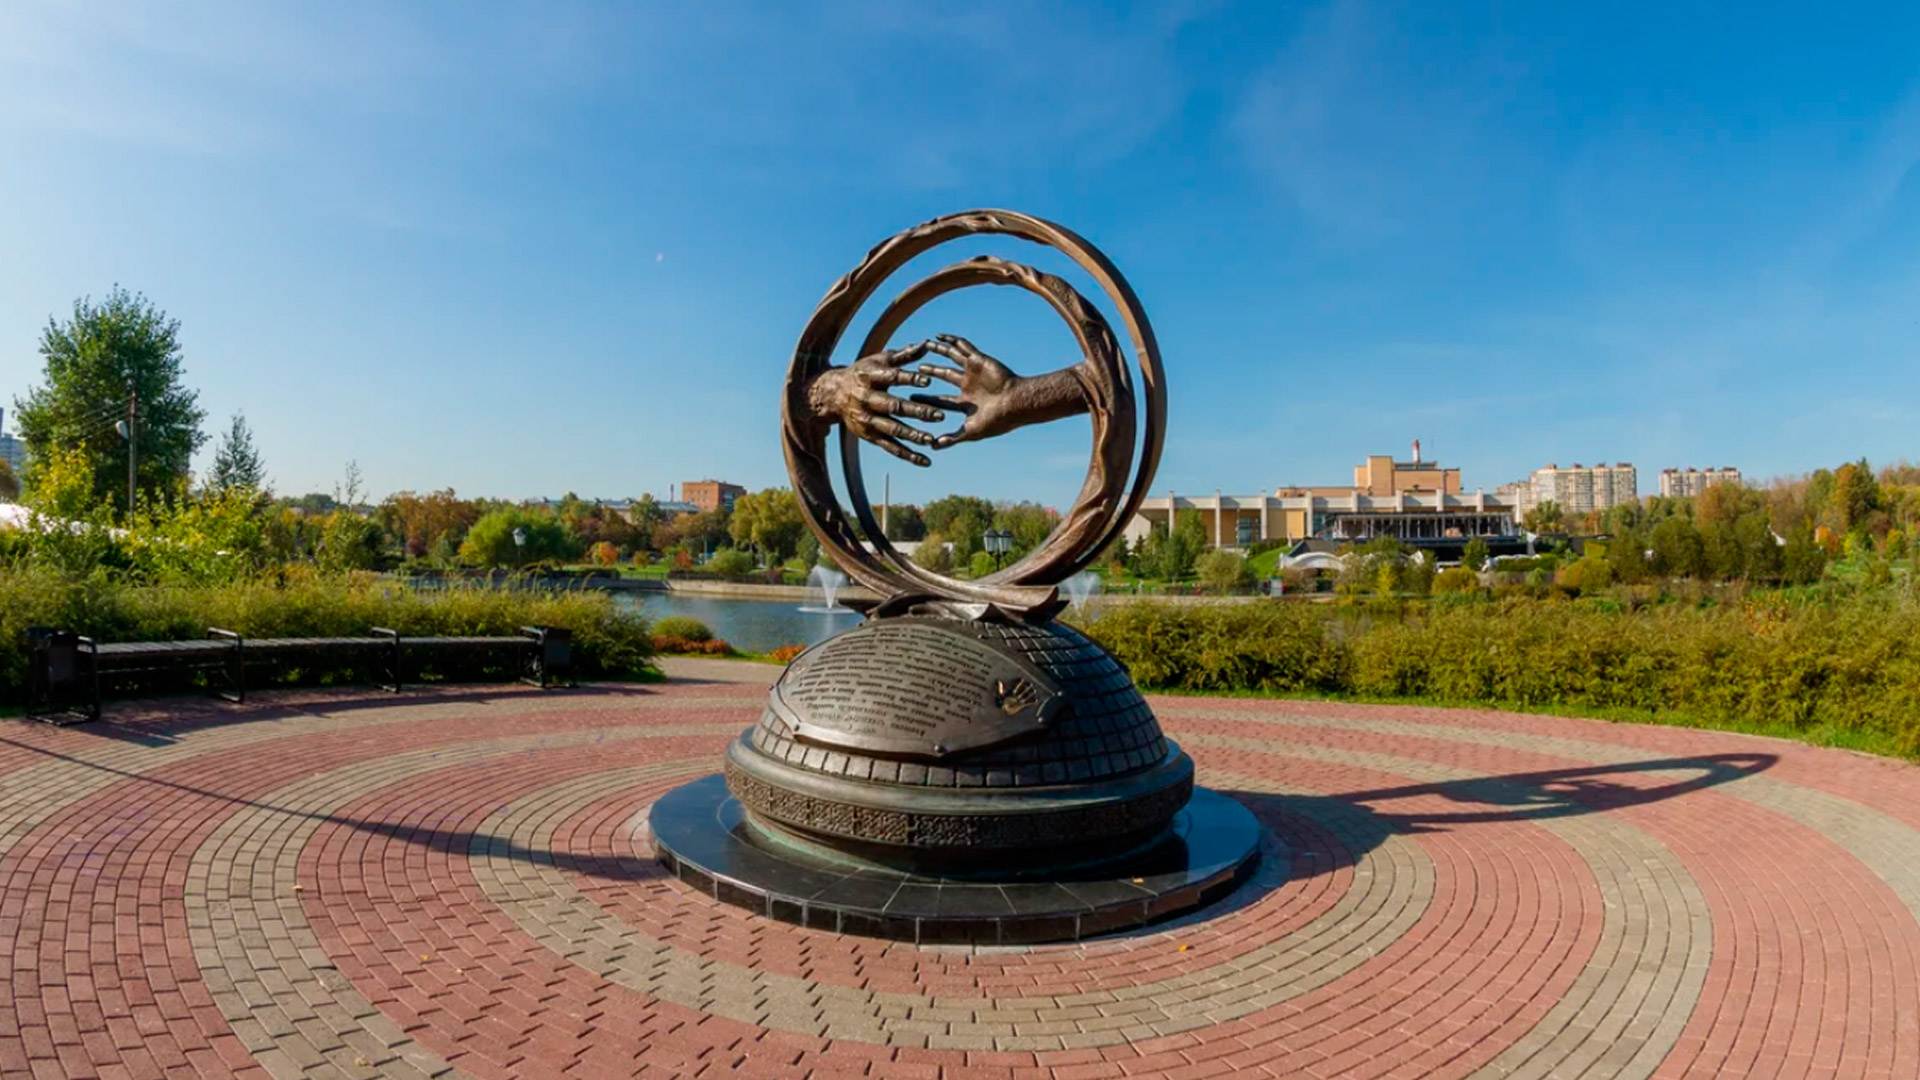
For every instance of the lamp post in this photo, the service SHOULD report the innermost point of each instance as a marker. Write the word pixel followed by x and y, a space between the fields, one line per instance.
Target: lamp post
pixel 999 542
pixel 519 546
pixel 126 430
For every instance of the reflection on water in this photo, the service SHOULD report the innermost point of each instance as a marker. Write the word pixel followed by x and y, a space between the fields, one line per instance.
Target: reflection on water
pixel 750 625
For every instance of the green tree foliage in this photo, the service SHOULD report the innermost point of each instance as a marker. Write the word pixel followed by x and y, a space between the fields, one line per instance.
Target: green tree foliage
pixel 905 522
pixel 1586 575
pixel 1223 572
pixel 961 519
pixel 1627 556
pixel 1170 556
pixel 1545 517
pixel 934 554
pixel 236 461
pixel 1455 580
pixel 769 520
pixel 1678 550
pixel 1476 555
pixel 490 542
pixel 1030 523
pixel 980 565
pixel 95 360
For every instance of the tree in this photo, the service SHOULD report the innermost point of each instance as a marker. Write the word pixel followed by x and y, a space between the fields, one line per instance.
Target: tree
pixel 236 462
pixel 1545 517
pixel 962 519
pixel 1030 524
pixel 106 356
pixel 1678 550
pixel 905 522
pixel 1223 572
pixel 438 519
pixel 769 520
pixel 9 483
pixel 490 541
pixel 1627 555
pixel 1476 554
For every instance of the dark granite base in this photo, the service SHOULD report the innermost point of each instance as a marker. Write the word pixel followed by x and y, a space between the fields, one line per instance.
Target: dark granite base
pixel 703 836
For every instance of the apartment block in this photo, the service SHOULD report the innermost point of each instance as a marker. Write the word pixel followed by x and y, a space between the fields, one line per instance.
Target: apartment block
pixel 1683 483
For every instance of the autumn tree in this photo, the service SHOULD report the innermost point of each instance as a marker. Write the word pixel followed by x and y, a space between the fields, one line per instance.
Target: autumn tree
pixel 438 520
pixel 769 520
pixel 105 359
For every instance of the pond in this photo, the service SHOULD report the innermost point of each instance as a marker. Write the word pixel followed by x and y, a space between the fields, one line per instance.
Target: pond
pixel 749 625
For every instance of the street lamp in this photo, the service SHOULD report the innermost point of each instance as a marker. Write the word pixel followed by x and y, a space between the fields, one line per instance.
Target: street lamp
pixel 999 542
pixel 519 545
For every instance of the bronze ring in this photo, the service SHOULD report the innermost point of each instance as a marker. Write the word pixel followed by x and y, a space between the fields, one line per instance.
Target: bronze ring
pixel 1100 513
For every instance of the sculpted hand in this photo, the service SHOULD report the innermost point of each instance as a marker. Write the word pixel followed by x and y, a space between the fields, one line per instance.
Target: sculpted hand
pixel 994 399
pixel 857 397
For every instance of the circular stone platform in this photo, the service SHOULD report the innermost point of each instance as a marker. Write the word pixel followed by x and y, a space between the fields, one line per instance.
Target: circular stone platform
pixel 457 883
pixel 703 836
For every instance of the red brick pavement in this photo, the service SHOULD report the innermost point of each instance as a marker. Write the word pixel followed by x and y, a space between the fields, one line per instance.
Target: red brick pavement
pixel 453 884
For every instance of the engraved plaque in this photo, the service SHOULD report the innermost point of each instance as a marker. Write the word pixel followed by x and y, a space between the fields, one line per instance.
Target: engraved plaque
pixel 913 687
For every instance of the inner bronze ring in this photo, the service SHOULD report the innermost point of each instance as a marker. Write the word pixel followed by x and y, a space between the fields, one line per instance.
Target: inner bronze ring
pixel 1111 409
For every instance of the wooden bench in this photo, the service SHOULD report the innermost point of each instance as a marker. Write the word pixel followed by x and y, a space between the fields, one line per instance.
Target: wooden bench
pixel 65 669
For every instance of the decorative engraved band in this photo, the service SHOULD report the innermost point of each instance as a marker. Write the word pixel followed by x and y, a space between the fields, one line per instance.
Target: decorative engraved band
pixel 1140 804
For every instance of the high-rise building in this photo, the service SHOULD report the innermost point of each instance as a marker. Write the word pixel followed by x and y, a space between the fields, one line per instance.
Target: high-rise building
pixel 12 450
pixel 710 495
pixel 1682 483
pixel 1582 489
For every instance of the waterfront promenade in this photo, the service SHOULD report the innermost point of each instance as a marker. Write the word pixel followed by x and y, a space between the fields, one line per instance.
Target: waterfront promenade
pixel 457 883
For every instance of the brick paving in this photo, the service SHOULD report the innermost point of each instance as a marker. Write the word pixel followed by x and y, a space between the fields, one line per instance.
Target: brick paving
pixel 459 883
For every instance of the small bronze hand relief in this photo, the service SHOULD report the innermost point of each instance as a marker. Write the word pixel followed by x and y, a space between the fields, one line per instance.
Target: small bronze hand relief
pixel 993 398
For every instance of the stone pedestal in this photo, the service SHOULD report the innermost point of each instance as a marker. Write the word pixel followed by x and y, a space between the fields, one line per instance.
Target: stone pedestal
pixel 917 776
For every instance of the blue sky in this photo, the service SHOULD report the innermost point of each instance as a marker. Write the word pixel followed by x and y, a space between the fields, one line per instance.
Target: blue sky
pixel 524 248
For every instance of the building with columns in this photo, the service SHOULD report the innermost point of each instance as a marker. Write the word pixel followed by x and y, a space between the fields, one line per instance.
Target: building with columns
pixel 1411 500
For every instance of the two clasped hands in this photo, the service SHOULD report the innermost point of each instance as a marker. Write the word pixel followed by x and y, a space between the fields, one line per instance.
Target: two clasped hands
pixel 990 395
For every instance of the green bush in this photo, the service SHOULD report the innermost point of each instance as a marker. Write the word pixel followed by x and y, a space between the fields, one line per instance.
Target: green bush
pixel 685 627
pixel 731 562
pixel 607 640
pixel 1456 579
pixel 1851 665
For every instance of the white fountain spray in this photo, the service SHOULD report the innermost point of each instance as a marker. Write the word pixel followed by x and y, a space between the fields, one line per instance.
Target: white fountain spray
pixel 828 581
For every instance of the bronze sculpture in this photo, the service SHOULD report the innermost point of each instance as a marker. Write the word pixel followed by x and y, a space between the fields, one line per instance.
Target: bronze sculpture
pixel 960 766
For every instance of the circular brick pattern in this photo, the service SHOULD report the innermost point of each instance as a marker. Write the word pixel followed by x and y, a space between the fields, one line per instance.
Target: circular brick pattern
pixel 460 884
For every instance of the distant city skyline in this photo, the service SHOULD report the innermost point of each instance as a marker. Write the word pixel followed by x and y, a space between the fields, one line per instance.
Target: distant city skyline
pixel 520 250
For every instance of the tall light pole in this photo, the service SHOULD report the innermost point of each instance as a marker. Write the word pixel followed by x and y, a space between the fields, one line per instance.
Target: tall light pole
pixel 519 546
pixel 126 430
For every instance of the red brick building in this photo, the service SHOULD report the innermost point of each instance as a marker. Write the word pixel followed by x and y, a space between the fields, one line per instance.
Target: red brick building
pixel 711 494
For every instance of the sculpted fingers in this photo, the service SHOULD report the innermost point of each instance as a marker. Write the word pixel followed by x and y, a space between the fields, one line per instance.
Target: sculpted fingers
pixel 901 452
pixel 946 374
pixel 941 401
pixel 898 377
pixel 907 355
pixel 888 404
pixel 887 425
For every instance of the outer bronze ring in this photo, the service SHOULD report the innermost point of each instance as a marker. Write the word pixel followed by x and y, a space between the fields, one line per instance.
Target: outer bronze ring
pixel 1100 513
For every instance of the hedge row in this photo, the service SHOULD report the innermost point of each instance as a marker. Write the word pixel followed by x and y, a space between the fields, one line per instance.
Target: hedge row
pixel 1851 666
pixel 608 641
